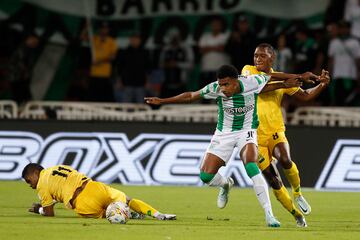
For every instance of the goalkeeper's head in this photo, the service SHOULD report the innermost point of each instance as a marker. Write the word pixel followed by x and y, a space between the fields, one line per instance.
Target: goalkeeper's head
pixel 31 174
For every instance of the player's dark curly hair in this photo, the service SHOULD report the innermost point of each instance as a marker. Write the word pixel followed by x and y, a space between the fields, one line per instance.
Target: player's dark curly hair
pixel 227 71
pixel 267 46
pixel 31 167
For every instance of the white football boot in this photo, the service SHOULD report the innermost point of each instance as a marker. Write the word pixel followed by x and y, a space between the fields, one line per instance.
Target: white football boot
pixel 163 216
pixel 304 206
pixel 271 221
pixel 224 193
pixel 300 221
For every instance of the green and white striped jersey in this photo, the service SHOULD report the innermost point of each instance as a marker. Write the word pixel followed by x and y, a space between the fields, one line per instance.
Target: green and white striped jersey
pixel 239 111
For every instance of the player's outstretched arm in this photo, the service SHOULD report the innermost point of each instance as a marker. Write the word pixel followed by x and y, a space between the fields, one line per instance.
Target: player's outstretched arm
pixel 186 97
pixel 45 211
pixel 312 93
pixel 306 77
pixel 291 82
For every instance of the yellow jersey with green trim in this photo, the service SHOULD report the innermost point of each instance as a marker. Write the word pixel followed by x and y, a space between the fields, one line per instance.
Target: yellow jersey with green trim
pixel 269 106
pixel 58 184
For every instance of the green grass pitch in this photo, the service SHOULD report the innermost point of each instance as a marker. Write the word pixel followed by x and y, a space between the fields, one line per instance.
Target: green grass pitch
pixel 335 215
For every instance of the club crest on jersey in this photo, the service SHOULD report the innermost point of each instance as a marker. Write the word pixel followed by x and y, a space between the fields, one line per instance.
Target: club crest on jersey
pixel 248 99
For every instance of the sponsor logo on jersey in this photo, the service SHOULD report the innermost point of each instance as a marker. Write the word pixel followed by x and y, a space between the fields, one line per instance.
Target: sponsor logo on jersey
pixel 151 159
pixel 342 170
pixel 239 110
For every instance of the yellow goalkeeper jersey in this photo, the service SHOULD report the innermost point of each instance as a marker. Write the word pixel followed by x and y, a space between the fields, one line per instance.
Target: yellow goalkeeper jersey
pixel 58 184
pixel 269 106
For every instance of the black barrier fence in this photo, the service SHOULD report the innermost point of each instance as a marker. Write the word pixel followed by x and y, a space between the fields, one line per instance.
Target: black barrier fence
pixel 167 153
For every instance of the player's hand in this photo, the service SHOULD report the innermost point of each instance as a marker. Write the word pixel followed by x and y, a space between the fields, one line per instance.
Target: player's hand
pixel 35 208
pixel 153 100
pixel 309 77
pixel 325 77
pixel 292 82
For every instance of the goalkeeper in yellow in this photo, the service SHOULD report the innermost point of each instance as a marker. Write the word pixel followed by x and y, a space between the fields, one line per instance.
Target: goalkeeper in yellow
pixel 271 133
pixel 78 192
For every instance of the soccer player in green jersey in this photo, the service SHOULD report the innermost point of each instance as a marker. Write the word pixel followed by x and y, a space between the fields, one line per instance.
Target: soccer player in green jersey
pixel 237 123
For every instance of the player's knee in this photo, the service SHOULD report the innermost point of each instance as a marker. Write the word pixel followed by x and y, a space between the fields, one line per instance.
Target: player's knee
pixel 272 179
pixel 206 177
pixel 285 162
pixel 275 183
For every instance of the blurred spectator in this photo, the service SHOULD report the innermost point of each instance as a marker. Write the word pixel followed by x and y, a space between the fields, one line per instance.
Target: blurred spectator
pixel 55 24
pixel 78 88
pixel 81 55
pixel 331 32
pixel 176 60
pixel 335 11
pixel 305 50
pixel 212 52
pixel 284 56
pixel 241 44
pixel 352 15
pixel 324 37
pixel 134 67
pixel 344 64
pixel 104 50
pixel 26 16
pixel 21 65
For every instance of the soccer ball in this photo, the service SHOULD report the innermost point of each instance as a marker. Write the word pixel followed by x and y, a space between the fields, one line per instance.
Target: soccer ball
pixel 118 212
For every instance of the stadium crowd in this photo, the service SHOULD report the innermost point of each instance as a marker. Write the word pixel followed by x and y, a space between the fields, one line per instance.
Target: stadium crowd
pixel 111 72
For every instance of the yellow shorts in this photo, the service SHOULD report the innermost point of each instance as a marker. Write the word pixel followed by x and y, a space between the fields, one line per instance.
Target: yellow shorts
pixel 266 146
pixel 94 199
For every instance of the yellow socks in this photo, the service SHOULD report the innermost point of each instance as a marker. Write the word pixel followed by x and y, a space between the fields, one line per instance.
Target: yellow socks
pixel 284 198
pixel 292 175
pixel 142 207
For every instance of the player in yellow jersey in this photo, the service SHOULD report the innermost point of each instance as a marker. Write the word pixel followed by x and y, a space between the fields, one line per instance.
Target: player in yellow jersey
pixel 78 192
pixel 271 133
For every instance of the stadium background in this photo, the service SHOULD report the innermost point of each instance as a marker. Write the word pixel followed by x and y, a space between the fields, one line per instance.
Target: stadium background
pixel 62 69
pixel 59 25
pixel 154 154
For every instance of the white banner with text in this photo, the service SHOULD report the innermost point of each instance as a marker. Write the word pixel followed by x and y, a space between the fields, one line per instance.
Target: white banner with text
pixel 148 159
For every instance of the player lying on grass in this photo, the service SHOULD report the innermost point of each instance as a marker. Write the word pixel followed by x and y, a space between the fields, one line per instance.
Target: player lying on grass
pixel 271 133
pixel 78 192
pixel 237 123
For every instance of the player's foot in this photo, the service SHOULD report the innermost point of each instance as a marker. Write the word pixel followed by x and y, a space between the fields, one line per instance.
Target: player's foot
pixel 304 206
pixel 300 221
pixel 136 215
pixel 163 216
pixel 271 221
pixel 224 193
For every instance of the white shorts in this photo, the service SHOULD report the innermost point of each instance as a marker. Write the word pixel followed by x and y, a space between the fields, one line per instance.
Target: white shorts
pixel 223 144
